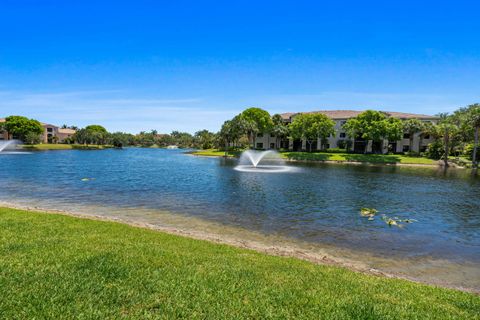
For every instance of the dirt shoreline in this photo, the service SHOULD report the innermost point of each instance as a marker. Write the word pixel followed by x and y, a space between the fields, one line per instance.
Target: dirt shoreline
pixel 254 241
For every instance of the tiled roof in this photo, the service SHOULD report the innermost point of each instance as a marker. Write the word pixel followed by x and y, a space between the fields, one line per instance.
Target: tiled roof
pixel 346 114
pixel 66 131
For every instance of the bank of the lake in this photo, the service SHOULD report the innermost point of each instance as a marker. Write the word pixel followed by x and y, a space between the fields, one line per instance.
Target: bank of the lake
pixel 334 157
pixel 61 266
pixel 59 146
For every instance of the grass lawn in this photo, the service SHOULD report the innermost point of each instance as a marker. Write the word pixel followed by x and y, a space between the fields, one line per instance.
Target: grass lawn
pixel 47 146
pixel 325 156
pixel 216 153
pixel 371 158
pixel 60 267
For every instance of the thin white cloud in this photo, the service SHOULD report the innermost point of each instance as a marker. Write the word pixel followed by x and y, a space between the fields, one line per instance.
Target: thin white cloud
pixel 126 111
pixel 114 109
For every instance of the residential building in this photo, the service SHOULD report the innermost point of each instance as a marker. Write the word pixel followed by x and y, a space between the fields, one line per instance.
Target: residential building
pixel 51 133
pixel 340 138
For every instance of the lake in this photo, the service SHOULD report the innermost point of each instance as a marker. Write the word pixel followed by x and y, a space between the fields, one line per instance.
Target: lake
pixel 317 204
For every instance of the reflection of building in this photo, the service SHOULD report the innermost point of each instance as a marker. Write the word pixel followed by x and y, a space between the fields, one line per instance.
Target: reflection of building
pixel 340 138
pixel 51 133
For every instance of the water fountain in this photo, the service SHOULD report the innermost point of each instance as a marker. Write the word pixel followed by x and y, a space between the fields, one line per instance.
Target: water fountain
pixel 6 146
pixel 262 161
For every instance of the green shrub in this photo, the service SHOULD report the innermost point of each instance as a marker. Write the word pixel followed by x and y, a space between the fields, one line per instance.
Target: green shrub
pixel 435 150
pixel 468 152
pixel 32 138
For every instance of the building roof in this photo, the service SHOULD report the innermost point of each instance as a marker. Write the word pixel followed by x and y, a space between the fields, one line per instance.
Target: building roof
pixel 346 114
pixel 66 131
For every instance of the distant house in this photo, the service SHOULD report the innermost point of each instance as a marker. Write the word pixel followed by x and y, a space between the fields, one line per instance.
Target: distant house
pixel 269 141
pixel 51 133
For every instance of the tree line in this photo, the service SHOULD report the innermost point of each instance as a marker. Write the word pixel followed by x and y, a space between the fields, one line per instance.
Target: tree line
pixel 31 130
pixel 454 134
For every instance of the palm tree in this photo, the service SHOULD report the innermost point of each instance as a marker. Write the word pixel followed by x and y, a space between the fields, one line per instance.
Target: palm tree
pixel 446 129
pixel 428 129
pixel 474 121
pixel 279 129
pixel 412 127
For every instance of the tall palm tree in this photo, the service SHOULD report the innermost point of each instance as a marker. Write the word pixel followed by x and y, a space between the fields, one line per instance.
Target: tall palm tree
pixel 428 129
pixel 446 129
pixel 412 127
pixel 474 121
pixel 279 129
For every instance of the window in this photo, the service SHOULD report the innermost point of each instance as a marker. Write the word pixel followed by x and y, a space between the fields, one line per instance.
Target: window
pixel 260 135
pixel 49 129
pixel 259 145
pixel 406 148
pixel 406 136
pixel 343 134
pixel 427 136
pixel 272 145
pixel 272 135
pixel 343 122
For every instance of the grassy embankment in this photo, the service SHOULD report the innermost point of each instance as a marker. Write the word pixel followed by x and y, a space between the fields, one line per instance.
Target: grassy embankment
pixel 55 266
pixel 48 146
pixel 339 157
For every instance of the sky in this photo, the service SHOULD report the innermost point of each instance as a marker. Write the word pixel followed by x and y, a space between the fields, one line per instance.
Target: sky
pixel 189 65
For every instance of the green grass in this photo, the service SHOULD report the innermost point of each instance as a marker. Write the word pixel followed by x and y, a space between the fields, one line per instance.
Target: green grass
pixel 354 157
pixel 47 146
pixel 340 157
pixel 60 267
pixel 216 153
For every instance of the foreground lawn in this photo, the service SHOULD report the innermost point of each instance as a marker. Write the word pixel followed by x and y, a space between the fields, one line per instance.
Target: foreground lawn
pixel 60 267
pixel 325 156
pixel 47 146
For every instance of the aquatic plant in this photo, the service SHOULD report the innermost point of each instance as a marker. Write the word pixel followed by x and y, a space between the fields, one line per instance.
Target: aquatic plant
pixel 395 221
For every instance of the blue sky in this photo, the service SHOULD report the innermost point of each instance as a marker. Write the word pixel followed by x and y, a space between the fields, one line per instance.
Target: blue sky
pixel 188 65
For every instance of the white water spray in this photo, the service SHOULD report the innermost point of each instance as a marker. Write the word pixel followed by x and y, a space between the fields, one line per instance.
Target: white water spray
pixel 262 161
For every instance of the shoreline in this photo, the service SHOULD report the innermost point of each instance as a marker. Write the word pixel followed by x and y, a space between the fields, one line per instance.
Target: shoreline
pixel 271 245
pixel 389 164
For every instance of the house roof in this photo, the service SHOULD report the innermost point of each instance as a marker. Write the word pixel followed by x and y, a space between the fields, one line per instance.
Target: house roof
pixel 66 131
pixel 346 114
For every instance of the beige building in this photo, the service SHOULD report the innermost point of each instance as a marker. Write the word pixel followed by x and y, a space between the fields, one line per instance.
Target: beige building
pixel 51 133
pixel 269 141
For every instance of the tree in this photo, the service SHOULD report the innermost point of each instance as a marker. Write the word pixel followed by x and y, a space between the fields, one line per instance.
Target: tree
pixel 182 139
pixel 474 120
pixel 412 127
pixel 279 129
pixel 120 139
pixel 368 125
pixel 256 121
pixel 204 139
pixel 21 126
pixel 32 138
pixel 96 128
pixel 428 129
pixel 446 130
pixel 468 119
pixel 311 127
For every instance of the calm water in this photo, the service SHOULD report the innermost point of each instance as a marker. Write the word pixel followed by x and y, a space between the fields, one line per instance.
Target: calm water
pixel 319 203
